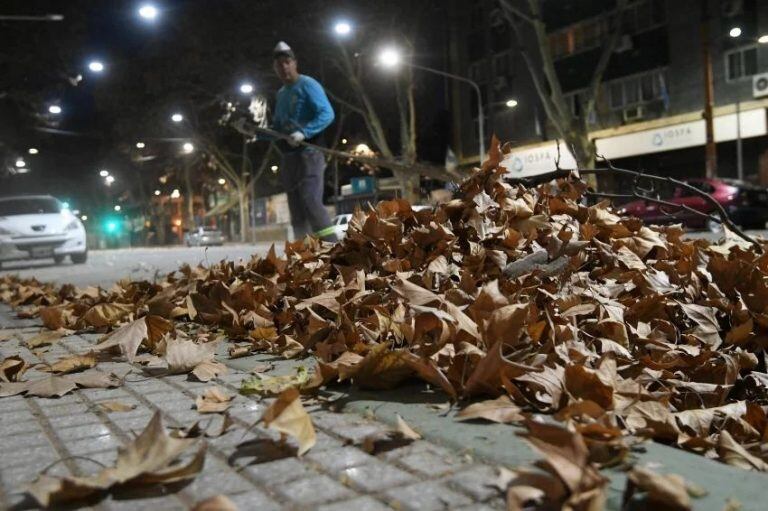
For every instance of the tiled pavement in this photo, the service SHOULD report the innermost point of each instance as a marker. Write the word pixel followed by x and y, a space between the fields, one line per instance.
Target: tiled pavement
pixel 73 435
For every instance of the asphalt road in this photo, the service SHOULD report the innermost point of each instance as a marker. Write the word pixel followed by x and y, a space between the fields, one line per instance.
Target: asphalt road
pixel 104 267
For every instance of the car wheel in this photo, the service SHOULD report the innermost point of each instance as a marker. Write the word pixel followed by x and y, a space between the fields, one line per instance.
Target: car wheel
pixel 58 259
pixel 80 258
pixel 713 226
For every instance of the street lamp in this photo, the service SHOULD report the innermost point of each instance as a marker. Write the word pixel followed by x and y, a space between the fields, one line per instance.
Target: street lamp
pixel 274 168
pixel 148 11
pixel 175 194
pixel 20 163
pixel 54 109
pixel 763 39
pixel 177 117
pixel 22 17
pixel 342 28
pixel 735 32
pixel 109 180
pixel 32 150
pixel 96 66
pixel 103 173
pixel 391 58
pixel 117 207
pixel 84 218
pixel 157 192
pixel 246 88
pixel 140 145
pixel 188 147
pixel 222 181
pixel 511 103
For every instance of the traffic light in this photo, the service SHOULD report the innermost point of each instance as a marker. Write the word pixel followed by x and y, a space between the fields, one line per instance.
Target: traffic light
pixel 112 226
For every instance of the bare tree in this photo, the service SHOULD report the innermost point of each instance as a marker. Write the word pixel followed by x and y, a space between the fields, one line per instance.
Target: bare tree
pixel 526 20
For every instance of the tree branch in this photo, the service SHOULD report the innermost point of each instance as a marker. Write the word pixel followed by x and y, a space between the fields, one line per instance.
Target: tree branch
pixel 605 57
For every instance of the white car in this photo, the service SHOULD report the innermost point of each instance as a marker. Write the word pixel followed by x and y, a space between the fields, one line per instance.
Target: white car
pixel 340 224
pixel 38 227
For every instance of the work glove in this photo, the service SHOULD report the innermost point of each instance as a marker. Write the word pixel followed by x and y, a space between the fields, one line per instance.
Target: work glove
pixel 295 138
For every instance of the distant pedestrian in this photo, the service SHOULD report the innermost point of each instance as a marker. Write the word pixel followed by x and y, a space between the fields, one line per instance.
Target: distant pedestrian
pixel 302 112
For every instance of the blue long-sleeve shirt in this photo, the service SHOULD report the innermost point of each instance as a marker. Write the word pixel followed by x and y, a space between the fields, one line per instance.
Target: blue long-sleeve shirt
pixel 303 106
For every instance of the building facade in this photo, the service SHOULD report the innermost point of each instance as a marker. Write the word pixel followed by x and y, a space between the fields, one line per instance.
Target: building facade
pixel 651 100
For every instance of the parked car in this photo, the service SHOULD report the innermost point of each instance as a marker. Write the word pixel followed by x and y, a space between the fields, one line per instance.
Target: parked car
pixel 39 227
pixel 204 237
pixel 746 205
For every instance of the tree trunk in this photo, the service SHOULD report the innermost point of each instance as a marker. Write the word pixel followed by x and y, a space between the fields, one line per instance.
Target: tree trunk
pixel 409 184
pixel 584 152
pixel 189 199
pixel 242 199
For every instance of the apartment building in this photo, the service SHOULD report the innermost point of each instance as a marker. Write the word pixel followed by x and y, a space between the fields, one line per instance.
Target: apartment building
pixel 651 100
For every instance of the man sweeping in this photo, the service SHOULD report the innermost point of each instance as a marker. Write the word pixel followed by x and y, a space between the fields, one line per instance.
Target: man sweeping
pixel 302 112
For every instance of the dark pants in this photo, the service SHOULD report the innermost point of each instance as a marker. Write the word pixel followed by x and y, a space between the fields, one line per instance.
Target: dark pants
pixel 302 177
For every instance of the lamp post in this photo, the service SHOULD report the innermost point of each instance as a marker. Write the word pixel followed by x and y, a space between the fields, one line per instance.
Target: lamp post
pixel 390 58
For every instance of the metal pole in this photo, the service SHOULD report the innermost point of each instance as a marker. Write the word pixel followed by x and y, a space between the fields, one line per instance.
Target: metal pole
pixel 739 154
pixel 474 85
pixel 47 17
pixel 709 94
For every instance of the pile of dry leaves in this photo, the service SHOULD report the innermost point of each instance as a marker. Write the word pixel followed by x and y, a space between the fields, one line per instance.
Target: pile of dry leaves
pixel 525 296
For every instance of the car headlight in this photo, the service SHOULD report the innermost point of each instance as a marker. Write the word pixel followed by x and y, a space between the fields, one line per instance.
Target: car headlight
pixel 73 225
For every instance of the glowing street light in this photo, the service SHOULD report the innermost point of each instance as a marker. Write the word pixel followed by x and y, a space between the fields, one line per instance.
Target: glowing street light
pixel 84 218
pixel 175 194
pixel 343 140
pixel 32 150
pixel 188 147
pixel 157 193
pixel 390 57
pixel 54 109
pixel 117 207
pixel 96 66
pixel 148 11
pixel 511 103
pixel 109 180
pixel 274 168
pixel 20 163
pixel 177 117
pixel 140 145
pixel 763 39
pixel 222 181
pixel 735 32
pixel 342 28
pixel 246 88
pixel 104 173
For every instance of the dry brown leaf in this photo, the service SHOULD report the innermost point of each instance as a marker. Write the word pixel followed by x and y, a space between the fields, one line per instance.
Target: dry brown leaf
pixel 406 431
pixel 216 503
pixel 149 459
pixel 106 314
pixel 44 338
pixel 73 364
pixel 208 370
pixel 116 406
pixel 288 416
pixel 213 400
pixel 501 410
pixel 734 454
pixel 130 336
pixel 11 368
pixel 183 356
pixel 662 491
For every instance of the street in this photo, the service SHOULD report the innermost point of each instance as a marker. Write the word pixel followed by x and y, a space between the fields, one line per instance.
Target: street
pixel 105 267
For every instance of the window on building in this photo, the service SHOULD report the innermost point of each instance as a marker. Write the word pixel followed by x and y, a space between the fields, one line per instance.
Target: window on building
pixel 636 90
pixel 741 63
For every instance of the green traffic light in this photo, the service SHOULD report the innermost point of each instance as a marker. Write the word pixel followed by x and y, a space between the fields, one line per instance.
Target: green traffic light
pixel 111 226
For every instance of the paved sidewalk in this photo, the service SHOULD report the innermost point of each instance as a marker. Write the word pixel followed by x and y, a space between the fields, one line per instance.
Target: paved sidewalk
pixel 252 468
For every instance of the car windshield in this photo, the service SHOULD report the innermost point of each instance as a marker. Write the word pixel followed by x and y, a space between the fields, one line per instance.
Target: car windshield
pixel 29 206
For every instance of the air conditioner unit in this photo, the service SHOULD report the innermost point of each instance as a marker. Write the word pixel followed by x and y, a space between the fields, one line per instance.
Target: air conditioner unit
pixel 634 113
pixel 760 85
pixel 499 82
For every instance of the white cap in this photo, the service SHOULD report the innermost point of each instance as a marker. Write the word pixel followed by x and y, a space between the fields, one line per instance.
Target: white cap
pixel 282 49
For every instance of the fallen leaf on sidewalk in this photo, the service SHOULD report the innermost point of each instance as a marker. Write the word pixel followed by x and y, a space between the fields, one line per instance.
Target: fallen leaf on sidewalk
pixel 216 503
pixel 150 459
pixel 272 385
pixel 405 430
pixel 288 416
pixel 116 406
pixel 7 335
pixel 58 385
pixel 11 368
pixel 213 400
pixel 734 454
pixel 44 338
pixel 184 355
pixel 208 370
pixel 661 491
pixel 73 364
pixel 106 314
pixel 501 410
pixel 130 336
